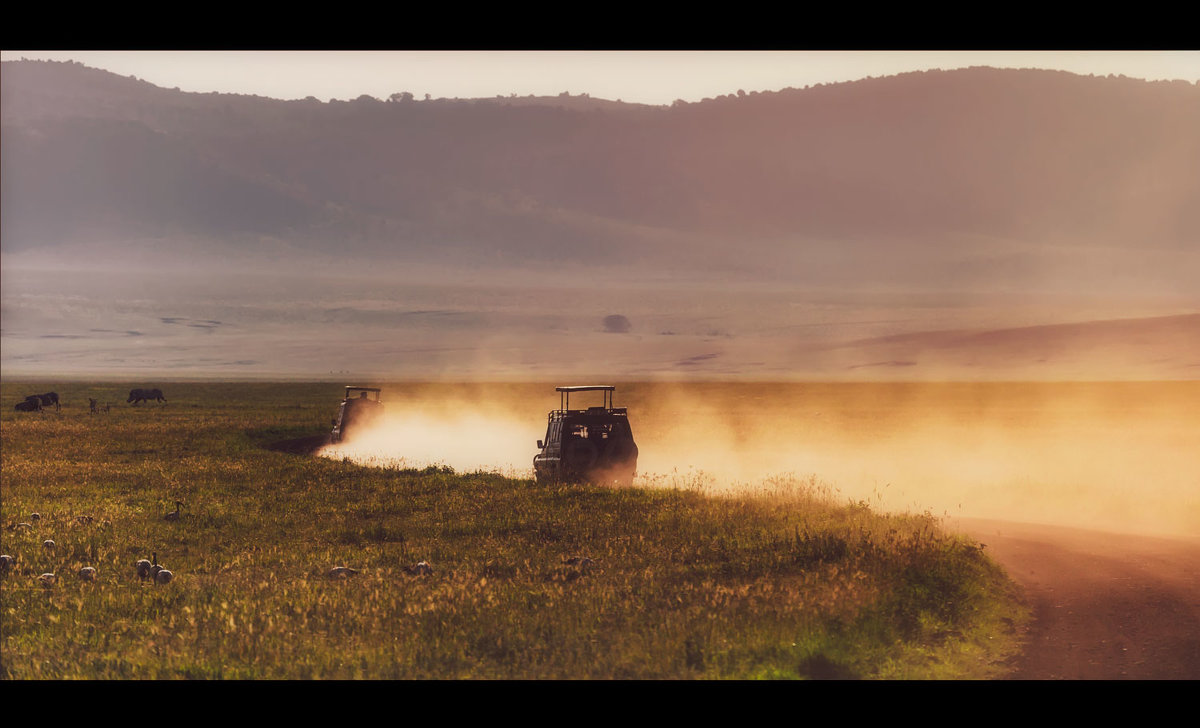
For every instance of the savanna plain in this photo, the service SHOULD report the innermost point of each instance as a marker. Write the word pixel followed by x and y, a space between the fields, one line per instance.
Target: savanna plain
pixel 774 531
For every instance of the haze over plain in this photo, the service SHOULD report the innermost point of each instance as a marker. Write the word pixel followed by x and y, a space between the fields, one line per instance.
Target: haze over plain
pixel 969 224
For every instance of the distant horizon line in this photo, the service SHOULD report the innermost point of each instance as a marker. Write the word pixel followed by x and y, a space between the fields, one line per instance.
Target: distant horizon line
pixel 615 76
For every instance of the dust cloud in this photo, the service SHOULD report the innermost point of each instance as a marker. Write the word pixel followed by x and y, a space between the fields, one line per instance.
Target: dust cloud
pixel 465 441
pixel 1121 457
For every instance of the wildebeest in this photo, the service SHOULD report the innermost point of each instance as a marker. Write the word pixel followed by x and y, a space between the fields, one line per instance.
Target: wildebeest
pixel 49 398
pixel 32 403
pixel 145 395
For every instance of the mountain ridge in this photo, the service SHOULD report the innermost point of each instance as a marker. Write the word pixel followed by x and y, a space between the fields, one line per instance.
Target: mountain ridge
pixel 933 168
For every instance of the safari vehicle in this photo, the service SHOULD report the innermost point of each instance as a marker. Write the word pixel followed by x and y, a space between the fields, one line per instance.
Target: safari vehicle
pixel 358 409
pixel 593 444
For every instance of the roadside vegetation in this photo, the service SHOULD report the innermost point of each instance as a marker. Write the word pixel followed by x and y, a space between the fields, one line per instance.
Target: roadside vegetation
pixel 666 580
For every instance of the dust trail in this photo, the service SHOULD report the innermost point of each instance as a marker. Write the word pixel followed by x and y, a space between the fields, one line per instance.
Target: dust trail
pixel 465 441
pixel 1115 456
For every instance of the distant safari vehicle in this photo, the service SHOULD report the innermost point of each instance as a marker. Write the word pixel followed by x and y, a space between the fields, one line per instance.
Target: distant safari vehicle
pixel 357 410
pixel 594 444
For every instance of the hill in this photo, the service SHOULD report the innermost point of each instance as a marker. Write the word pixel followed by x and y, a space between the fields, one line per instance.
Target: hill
pixel 978 174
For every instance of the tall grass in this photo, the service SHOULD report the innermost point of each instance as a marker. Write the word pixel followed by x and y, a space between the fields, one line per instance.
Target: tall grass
pixel 784 582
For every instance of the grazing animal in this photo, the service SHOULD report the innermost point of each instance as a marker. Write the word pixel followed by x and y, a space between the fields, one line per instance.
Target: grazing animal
pixel 145 395
pixel 421 567
pixel 87 573
pixel 29 405
pixel 143 567
pixel 49 398
pixel 49 544
pixel 35 516
pixel 47 580
pixel 155 567
pixel 92 408
pixel 341 572
pixel 162 576
pixel 173 515
pixel 6 563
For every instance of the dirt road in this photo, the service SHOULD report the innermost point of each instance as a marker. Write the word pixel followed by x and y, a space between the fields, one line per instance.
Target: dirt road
pixel 1105 606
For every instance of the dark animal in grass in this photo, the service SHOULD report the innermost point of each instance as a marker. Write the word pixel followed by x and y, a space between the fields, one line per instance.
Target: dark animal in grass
pixel 158 572
pixel 6 563
pixel 31 404
pixel 48 399
pixel 174 515
pixel 87 573
pixel 341 572
pixel 421 568
pixel 144 567
pixel 137 396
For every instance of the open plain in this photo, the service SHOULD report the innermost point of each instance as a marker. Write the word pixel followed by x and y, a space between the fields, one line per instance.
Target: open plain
pixel 775 530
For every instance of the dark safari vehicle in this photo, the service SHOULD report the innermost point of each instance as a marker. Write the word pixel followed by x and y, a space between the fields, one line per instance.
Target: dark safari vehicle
pixel 357 410
pixel 593 444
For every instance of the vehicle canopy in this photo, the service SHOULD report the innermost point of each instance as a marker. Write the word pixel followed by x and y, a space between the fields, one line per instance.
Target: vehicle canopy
pixel 604 420
pixel 353 392
pixel 564 397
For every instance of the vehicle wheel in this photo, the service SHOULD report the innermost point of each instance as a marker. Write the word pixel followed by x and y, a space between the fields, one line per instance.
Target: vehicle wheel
pixel 581 454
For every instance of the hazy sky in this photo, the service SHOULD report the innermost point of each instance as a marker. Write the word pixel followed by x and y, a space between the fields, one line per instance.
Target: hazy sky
pixel 653 77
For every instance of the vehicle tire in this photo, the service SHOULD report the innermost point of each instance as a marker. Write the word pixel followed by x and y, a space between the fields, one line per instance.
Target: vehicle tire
pixel 581 455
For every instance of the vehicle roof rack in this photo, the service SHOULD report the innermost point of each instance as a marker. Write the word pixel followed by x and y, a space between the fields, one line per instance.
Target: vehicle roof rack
pixel 565 394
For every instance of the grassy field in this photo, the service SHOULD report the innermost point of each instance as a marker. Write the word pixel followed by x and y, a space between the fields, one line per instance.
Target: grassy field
pixel 782 580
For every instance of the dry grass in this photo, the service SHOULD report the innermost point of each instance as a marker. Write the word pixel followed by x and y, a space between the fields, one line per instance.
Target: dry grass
pixel 784 582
